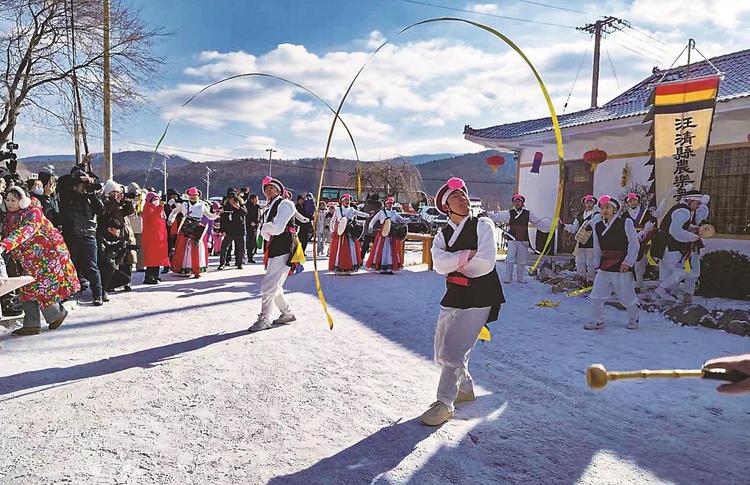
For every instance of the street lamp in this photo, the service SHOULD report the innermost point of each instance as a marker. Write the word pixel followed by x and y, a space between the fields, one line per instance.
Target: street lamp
pixel 207 179
pixel 163 170
pixel 270 154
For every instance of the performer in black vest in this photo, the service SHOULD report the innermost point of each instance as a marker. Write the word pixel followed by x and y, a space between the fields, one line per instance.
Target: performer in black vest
pixel 464 251
pixel 584 251
pixel 615 252
pixel 645 224
pixel 519 219
pixel 277 231
pixel 680 228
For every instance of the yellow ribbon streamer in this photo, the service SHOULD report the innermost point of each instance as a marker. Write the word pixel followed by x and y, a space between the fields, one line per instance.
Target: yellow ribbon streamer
pixel 548 304
pixel 548 99
pixel 578 292
pixel 649 258
pixel 686 266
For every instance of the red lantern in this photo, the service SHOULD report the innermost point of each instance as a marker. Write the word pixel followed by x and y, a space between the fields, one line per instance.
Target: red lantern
pixel 495 161
pixel 594 157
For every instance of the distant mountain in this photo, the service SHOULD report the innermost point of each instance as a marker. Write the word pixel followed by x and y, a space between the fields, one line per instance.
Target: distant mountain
pixel 494 188
pixel 123 161
pixel 420 159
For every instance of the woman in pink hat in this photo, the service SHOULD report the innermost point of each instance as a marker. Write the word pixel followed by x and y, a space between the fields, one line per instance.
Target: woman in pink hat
pixel 386 252
pixel 645 224
pixel 345 256
pixel 519 219
pixel 584 251
pixel 615 252
pixel 464 252
pixel 191 255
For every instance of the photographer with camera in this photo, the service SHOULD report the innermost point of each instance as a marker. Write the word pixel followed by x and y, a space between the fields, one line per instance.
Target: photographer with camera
pixel 79 208
pixel 233 226
pixel 116 210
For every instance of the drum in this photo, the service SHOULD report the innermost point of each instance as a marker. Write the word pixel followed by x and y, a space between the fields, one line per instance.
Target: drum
pixel 192 228
pixel 341 228
pixel 399 231
pixel 706 231
pixel 386 228
pixel 355 230
pixel 584 234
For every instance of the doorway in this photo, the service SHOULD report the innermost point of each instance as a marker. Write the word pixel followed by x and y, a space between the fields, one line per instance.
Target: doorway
pixel 578 181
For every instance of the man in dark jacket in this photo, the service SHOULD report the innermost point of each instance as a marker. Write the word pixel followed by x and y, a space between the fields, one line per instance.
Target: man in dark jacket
pixel 79 210
pixel 253 222
pixel 48 199
pixel 233 225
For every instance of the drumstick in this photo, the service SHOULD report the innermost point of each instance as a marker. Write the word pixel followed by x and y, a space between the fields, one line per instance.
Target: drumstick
pixel 597 376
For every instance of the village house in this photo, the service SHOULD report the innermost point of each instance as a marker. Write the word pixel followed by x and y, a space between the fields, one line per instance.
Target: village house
pixel 616 128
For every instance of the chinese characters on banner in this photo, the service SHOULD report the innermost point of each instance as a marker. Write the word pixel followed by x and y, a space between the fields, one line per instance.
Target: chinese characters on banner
pixel 682 115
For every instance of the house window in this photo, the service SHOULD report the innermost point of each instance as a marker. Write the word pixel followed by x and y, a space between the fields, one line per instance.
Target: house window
pixel 726 178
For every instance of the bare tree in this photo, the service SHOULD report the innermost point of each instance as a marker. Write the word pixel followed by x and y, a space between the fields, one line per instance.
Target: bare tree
pixel 396 176
pixel 38 70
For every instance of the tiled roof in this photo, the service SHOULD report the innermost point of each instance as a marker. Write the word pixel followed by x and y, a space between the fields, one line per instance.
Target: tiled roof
pixel 736 84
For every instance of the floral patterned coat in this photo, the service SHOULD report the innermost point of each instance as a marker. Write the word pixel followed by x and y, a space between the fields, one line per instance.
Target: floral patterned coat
pixel 32 240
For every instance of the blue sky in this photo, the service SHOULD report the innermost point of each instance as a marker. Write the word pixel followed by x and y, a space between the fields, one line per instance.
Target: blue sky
pixel 416 95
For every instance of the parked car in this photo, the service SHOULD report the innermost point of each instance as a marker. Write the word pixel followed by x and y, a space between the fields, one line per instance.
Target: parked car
pixel 432 218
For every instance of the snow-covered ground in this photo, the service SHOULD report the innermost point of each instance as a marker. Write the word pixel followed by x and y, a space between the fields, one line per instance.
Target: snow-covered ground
pixel 165 386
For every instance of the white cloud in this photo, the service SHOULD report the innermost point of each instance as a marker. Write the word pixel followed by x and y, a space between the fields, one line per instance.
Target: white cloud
pixel 722 13
pixel 375 39
pixel 484 8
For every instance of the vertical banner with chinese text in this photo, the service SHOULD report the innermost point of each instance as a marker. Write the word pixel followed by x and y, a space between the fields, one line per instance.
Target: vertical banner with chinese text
pixel 682 114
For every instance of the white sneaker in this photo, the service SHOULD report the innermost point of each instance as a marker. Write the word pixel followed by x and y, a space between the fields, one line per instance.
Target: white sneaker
pixel 632 325
pixel 261 324
pixel 594 326
pixel 285 319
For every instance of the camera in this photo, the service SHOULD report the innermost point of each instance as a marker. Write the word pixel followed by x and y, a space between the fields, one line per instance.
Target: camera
pixel 9 155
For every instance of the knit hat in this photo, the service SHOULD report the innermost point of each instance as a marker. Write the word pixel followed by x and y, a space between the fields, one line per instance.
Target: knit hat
pixel 452 185
pixel 268 180
pixel 588 198
pixel 45 176
pixel 519 197
pixel 606 199
pixel 151 196
pixel 111 186
pixel 134 188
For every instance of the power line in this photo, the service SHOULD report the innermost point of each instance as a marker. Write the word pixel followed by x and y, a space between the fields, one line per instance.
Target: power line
pixel 580 65
pixel 487 14
pixel 565 9
pixel 641 42
pixel 642 32
pixel 612 65
pixel 644 55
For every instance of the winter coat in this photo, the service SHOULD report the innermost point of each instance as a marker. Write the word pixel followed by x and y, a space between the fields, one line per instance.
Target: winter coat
pixel 79 213
pixel 39 248
pixel 233 220
pixel 154 239
pixel 50 207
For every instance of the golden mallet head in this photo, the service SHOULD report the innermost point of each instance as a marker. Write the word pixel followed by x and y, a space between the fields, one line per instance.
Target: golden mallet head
pixel 596 376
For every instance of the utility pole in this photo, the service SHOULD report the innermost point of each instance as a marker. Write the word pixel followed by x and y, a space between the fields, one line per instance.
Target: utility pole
pixel 207 179
pixel 107 155
pixel 270 154
pixel 607 25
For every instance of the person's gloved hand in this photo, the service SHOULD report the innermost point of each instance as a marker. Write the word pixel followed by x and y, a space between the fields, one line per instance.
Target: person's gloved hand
pixel 733 362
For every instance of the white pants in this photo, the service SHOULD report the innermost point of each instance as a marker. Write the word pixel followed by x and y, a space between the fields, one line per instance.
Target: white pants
pixel 518 255
pixel 585 266
pixel 673 273
pixel 272 287
pixel 622 284
pixel 456 333
pixel 640 271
